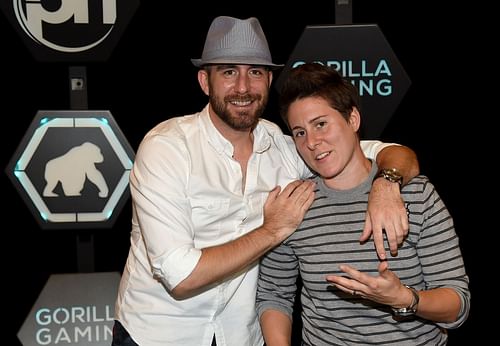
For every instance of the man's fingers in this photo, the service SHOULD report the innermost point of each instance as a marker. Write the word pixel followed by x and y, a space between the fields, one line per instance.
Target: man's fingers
pixel 378 240
pixel 405 227
pixel 367 230
pixel 290 188
pixel 297 187
pixel 273 194
pixel 390 232
pixel 297 195
pixel 299 192
pixel 308 197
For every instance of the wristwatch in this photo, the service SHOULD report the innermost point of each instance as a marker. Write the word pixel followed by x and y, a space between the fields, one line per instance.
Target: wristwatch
pixel 411 309
pixel 392 175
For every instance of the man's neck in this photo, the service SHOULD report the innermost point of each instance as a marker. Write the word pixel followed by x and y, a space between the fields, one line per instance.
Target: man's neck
pixel 242 140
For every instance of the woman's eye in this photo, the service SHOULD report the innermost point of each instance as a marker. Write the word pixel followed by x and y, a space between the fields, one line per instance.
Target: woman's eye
pixel 321 124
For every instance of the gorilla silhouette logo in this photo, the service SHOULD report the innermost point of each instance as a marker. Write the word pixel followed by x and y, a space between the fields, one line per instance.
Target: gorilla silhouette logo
pixel 72 168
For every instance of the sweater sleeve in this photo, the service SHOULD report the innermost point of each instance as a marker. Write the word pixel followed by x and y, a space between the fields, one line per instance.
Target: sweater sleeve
pixel 277 282
pixel 439 251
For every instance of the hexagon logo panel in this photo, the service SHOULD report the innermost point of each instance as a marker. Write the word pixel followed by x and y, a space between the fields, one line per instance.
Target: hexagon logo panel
pixel 73 309
pixel 72 169
pixel 361 54
pixel 69 30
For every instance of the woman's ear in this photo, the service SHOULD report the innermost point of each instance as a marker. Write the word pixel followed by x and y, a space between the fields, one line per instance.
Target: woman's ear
pixel 355 119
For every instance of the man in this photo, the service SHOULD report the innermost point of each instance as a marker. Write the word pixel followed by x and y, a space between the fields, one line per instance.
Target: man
pixel 207 203
pixel 372 302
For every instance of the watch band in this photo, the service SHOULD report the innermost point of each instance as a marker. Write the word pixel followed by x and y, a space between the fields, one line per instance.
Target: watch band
pixel 411 309
pixel 391 174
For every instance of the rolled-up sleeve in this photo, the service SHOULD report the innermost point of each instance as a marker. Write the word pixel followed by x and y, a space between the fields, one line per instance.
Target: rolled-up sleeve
pixel 372 148
pixel 439 249
pixel 162 209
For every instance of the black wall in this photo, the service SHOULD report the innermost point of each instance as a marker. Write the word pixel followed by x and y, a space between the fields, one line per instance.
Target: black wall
pixel 149 78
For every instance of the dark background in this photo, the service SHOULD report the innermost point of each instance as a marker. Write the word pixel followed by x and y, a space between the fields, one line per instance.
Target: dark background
pixel 149 78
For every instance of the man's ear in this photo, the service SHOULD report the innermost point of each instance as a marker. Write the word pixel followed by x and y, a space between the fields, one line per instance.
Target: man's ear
pixel 203 81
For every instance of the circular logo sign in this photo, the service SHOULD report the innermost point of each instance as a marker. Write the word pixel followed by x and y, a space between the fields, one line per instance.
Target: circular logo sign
pixel 70 30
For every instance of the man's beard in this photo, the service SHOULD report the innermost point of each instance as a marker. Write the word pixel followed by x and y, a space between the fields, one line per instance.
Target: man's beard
pixel 242 120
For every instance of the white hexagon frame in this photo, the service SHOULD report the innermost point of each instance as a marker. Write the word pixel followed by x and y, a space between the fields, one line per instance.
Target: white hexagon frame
pixel 34 142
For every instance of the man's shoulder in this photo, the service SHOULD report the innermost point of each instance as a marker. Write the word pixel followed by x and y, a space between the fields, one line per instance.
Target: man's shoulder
pixel 271 130
pixel 174 125
pixel 271 126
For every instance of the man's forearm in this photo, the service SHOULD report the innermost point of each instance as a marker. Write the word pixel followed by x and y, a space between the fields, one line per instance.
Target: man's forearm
pixel 221 261
pixel 400 157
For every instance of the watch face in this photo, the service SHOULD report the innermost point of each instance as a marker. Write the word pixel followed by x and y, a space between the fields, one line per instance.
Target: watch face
pixel 395 176
pixel 392 175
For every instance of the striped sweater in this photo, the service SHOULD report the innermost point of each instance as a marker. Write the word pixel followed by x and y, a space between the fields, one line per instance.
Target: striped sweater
pixel 430 257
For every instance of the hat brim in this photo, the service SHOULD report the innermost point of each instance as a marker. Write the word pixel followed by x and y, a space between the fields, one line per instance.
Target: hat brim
pixel 235 61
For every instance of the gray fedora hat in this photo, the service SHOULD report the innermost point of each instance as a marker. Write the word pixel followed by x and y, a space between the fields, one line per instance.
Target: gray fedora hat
pixel 235 41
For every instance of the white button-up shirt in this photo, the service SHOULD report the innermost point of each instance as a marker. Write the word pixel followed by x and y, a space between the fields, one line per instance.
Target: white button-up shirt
pixel 187 195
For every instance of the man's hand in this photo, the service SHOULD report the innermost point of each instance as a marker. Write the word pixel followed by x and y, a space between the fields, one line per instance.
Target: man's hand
pixel 283 212
pixel 386 213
